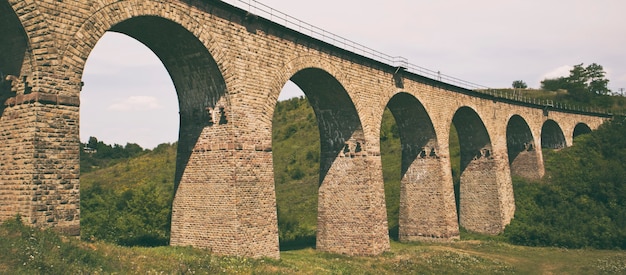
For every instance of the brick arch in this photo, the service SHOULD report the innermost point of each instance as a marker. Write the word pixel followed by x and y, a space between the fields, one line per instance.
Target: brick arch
pixel 388 94
pixel 478 187
pixel 473 136
pixel 422 215
pixel 581 129
pixel 417 133
pixel 552 135
pixel 338 119
pixel 183 46
pixel 75 54
pixel 290 69
pixel 523 154
pixel 341 227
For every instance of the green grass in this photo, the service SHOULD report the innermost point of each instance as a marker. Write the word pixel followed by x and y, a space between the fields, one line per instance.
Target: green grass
pixel 129 182
pixel 32 251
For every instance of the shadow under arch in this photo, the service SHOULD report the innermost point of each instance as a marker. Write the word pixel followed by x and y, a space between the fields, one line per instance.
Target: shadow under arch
pixel 524 160
pixel 346 221
pixel 479 208
pixel 424 211
pixel 581 129
pixel 341 133
pixel 13 51
pixel 199 83
pixel 552 136
pixel 417 133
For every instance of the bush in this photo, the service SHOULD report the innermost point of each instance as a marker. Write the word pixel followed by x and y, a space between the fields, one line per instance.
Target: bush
pixel 35 251
pixel 582 202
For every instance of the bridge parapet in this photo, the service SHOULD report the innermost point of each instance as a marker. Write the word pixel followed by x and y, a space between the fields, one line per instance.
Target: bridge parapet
pixel 256 8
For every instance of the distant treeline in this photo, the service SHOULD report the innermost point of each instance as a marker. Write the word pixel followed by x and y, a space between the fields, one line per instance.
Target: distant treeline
pixel 97 154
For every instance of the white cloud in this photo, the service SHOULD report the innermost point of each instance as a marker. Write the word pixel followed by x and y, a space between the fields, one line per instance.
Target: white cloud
pixel 558 72
pixel 136 103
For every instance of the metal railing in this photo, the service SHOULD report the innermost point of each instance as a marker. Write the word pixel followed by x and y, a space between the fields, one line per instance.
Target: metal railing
pixel 269 13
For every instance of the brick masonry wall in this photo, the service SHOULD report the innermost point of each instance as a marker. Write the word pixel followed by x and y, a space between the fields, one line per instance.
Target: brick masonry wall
pixel 427 204
pixel 16 162
pixel 225 200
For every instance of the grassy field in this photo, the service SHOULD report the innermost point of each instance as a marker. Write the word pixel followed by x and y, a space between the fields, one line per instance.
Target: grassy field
pixel 126 183
pixel 32 251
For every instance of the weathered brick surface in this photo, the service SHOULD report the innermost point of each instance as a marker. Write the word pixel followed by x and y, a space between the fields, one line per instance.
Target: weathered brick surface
pixel 228 69
pixel 16 161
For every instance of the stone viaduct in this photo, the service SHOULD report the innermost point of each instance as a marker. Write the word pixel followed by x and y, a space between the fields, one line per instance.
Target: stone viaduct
pixel 228 67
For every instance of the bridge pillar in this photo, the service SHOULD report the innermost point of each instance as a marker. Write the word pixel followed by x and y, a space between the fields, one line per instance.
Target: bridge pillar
pixel 486 195
pixel 352 219
pixel 528 164
pixel 39 161
pixel 479 207
pixel 427 209
pixel 225 201
pixel 486 203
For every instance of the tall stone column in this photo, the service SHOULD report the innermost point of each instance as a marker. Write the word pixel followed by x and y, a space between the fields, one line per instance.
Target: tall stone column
pixel 40 160
pixel 352 219
pixel 427 209
pixel 225 200
pixel 17 135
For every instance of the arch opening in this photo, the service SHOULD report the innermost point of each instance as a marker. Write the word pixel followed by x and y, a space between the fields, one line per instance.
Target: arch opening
pixel 391 158
pixel 521 149
pixel 552 136
pixel 581 129
pixel 197 88
pixel 341 133
pixel 200 86
pixel 296 158
pixel 417 185
pixel 477 187
pixel 343 187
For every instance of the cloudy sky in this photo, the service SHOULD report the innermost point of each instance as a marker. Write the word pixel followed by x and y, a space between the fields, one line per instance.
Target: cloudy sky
pixel 129 97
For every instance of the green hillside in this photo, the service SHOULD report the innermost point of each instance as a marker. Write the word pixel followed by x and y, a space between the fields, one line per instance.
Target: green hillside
pixel 126 200
pixel 129 203
pixel 580 203
pixel 296 154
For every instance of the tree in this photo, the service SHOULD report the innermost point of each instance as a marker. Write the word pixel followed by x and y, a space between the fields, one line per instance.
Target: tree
pixel 554 84
pixel 597 83
pixel 519 84
pixel 92 143
pixel 581 83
